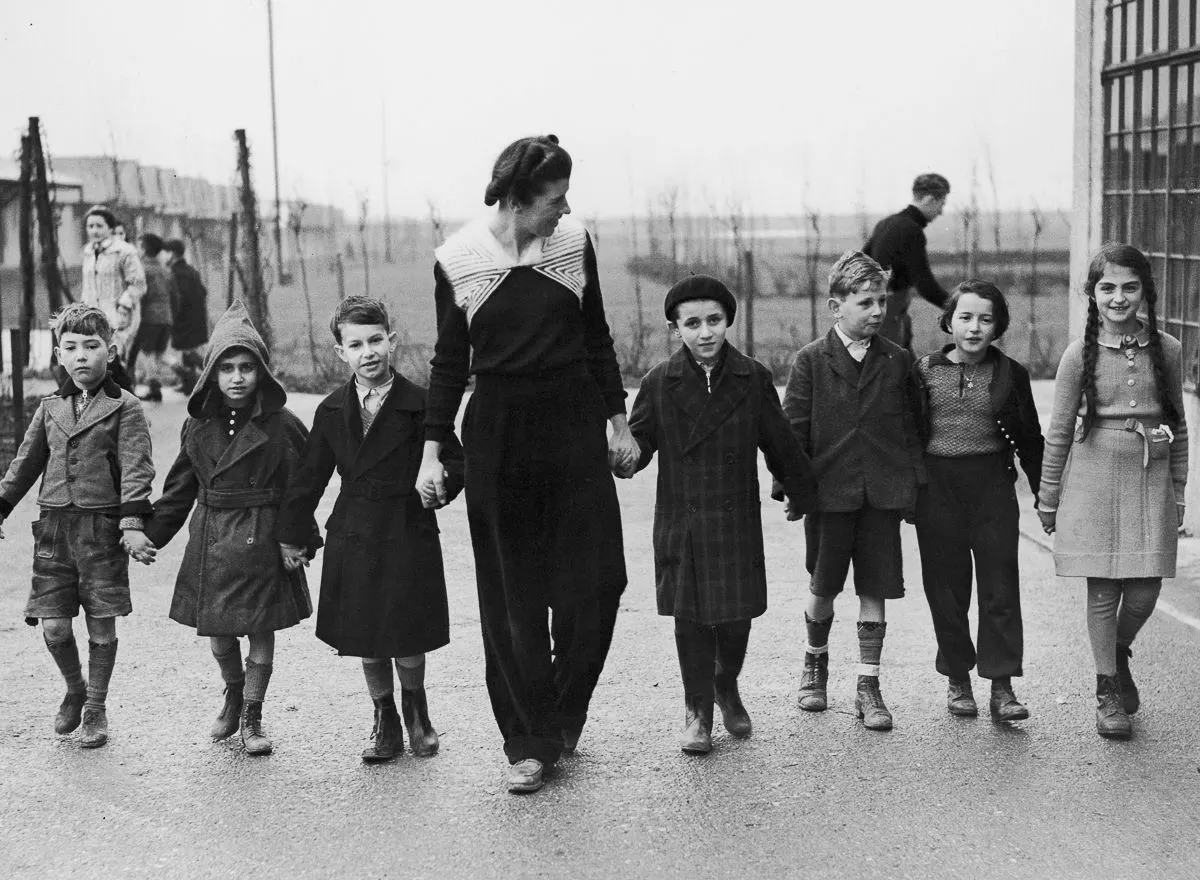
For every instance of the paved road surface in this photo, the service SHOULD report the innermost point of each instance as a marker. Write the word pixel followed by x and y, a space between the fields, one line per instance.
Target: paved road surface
pixel 806 796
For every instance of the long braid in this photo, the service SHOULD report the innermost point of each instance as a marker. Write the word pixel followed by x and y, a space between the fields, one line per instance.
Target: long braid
pixel 1169 413
pixel 1091 348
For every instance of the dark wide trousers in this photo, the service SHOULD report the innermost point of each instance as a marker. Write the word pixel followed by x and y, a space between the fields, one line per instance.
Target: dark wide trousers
pixel 968 510
pixel 549 557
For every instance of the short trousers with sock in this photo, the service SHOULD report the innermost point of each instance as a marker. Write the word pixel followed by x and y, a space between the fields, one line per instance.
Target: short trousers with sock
pixel 78 562
pixel 868 537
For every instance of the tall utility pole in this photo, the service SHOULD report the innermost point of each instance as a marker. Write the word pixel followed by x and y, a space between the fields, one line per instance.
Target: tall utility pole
pixel 387 215
pixel 275 147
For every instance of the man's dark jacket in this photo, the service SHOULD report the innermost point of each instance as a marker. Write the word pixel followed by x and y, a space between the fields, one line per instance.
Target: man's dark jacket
pixel 190 327
pixel 898 243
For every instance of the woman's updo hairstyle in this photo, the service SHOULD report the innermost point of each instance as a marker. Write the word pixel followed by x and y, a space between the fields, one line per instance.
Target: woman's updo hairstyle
pixel 525 167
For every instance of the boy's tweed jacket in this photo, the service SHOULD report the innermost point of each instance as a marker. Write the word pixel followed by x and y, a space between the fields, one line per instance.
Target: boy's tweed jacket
pixel 232 581
pixel 100 462
pixel 383 590
pixel 856 426
pixel 708 541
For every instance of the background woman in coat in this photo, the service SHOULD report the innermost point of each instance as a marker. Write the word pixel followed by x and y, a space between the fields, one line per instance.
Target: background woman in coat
pixel 707 410
pixel 237 449
pixel 113 281
pixel 519 307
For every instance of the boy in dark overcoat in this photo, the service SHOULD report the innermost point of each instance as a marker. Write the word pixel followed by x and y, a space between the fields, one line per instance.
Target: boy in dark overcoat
pixel 383 588
pixel 707 410
pixel 848 401
pixel 236 451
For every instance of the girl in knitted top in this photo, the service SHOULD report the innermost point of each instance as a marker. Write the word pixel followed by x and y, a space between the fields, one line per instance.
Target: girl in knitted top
pixel 1115 469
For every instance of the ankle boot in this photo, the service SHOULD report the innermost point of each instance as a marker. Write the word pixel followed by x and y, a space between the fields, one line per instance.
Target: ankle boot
pixel 253 737
pixel 868 703
pixel 387 735
pixel 733 713
pixel 960 699
pixel 422 738
pixel 231 711
pixel 70 712
pixel 696 738
pixel 1112 722
pixel 1130 699
pixel 95 728
pixel 1004 703
pixel 813 683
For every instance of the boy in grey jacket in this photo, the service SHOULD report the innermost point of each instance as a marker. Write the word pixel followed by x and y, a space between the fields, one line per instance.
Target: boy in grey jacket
pixel 90 445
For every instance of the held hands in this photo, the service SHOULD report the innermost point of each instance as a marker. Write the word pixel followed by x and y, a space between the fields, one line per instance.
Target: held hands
pixel 1048 518
pixel 294 557
pixel 793 515
pixel 138 546
pixel 431 484
pixel 623 450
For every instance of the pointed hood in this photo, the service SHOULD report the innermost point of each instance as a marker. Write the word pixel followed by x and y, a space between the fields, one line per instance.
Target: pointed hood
pixel 235 330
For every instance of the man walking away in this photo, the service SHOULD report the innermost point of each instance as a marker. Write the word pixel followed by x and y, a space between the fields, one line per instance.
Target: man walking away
pixel 189 332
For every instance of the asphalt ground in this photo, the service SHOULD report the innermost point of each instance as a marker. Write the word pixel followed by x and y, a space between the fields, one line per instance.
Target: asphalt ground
pixel 808 795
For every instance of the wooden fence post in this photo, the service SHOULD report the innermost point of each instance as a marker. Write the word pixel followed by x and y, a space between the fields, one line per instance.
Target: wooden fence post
pixel 28 289
pixel 748 319
pixel 56 285
pixel 256 294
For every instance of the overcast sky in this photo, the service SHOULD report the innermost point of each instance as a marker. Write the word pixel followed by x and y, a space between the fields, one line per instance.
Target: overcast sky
pixel 772 104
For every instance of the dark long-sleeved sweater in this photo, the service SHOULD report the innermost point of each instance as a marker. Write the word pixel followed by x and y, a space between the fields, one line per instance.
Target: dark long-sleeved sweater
pixel 898 243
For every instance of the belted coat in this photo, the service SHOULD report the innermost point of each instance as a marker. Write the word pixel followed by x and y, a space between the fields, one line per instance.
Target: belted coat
pixel 708 541
pixel 232 581
pixel 383 588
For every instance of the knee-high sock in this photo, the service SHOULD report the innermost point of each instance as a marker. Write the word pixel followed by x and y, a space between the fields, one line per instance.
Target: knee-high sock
pixel 378 673
pixel 231 664
pixel 258 676
pixel 66 655
pixel 101 659
pixel 818 634
pixel 1103 599
pixel 1137 604
pixel 870 646
pixel 411 671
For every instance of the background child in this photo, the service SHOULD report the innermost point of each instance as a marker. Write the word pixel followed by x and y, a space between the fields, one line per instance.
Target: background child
pixel 90 445
pixel 1113 498
pixel 847 399
pixel 236 452
pixel 974 410
pixel 707 410
pixel 383 590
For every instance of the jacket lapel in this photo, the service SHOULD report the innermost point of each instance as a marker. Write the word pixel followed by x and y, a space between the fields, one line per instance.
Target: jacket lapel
pixel 250 438
pixel 731 389
pixel 101 407
pixel 691 397
pixel 384 435
pixel 873 363
pixel 839 359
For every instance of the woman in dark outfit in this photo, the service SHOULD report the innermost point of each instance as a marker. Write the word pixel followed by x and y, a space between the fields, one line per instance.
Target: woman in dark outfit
pixel 519 307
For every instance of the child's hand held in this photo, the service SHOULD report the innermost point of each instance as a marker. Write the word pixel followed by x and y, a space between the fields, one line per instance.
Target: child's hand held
pixel 1048 518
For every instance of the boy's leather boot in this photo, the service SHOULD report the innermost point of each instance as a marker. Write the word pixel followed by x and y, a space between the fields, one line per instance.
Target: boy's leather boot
pixel 227 721
pixel 1130 698
pixel 1004 703
pixel 868 703
pixel 696 738
pixel 70 712
pixel 95 728
pixel 960 699
pixel 387 736
pixel 813 683
pixel 733 713
pixel 1112 722
pixel 422 738
pixel 253 737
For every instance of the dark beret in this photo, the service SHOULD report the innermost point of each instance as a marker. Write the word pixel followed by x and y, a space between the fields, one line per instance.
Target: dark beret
pixel 700 287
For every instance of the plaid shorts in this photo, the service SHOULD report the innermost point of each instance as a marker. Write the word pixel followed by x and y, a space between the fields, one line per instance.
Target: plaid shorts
pixel 78 561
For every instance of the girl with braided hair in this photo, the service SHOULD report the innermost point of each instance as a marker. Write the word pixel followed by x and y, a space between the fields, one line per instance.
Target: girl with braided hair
pixel 1115 469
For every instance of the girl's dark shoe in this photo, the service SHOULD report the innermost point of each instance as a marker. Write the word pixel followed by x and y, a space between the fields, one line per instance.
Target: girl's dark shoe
pixel 868 703
pixel 70 712
pixel 1112 722
pixel 1130 699
pixel 1004 703
pixel 95 728
pixel 387 734
pixel 813 696
pixel 422 738
pixel 696 738
pixel 253 737
pixel 733 713
pixel 960 699
pixel 227 721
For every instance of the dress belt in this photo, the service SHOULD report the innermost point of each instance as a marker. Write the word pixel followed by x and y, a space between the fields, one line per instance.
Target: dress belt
pixel 239 498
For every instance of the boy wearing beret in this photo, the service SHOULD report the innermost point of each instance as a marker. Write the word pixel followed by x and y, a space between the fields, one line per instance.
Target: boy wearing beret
pixel 707 410
pixel 847 400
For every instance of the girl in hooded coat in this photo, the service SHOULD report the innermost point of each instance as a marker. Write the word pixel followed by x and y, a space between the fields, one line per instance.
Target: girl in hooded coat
pixel 238 447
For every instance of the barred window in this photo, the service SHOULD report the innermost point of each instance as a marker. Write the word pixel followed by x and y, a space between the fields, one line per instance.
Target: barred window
pixel 1151 184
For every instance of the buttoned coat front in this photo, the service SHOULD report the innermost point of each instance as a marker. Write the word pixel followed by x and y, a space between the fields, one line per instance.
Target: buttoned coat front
pixel 857 426
pixel 383 588
pixel 708 540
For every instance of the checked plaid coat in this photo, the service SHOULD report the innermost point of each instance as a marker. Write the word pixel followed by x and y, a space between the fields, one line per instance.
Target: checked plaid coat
pixel 708 541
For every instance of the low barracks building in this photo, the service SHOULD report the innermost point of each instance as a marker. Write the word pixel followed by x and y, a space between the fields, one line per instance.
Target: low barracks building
pixel 1137 165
